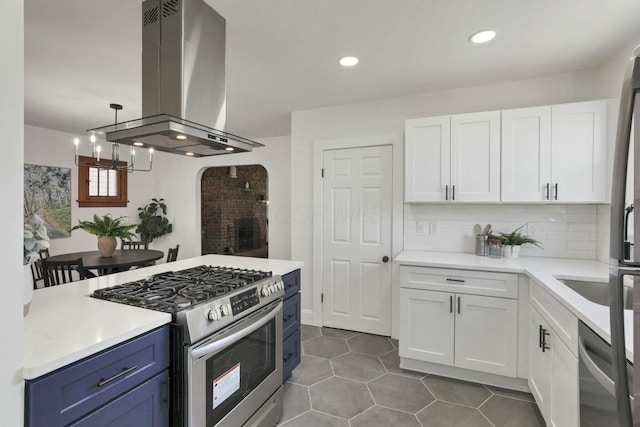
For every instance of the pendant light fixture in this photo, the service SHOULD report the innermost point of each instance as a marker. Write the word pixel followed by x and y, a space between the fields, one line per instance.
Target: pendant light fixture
pixel 101 163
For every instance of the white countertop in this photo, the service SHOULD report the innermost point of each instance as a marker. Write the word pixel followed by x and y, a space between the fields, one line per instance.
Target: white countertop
pixel 65 324
pixel 543 271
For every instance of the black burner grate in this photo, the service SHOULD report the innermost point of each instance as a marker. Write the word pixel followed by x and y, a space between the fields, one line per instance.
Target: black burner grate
pixel 173 291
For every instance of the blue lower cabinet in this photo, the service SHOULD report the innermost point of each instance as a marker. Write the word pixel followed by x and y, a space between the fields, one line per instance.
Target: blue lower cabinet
pixel 145 406
pixel 92 384
pixel 291 323
pixel 290 354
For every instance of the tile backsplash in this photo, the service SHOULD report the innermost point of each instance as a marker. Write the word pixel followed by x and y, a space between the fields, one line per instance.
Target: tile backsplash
pixel 565 231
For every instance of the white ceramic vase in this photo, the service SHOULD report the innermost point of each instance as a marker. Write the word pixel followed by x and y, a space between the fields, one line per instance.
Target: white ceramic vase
pixel 511 251
pixel 27 289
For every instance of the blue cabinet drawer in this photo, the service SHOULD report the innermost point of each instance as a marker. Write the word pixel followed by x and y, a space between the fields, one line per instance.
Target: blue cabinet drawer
pixel 290 354
pixel 291 283
pixel 147 405
pixel 69 393
pixel 291 315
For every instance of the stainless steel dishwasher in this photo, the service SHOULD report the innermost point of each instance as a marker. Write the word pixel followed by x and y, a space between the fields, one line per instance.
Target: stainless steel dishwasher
pixel 597 390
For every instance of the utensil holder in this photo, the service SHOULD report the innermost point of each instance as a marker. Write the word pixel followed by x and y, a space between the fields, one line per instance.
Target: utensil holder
pixel 481 244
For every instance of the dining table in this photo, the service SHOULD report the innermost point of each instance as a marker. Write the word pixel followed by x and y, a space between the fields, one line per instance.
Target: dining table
pixel 121 260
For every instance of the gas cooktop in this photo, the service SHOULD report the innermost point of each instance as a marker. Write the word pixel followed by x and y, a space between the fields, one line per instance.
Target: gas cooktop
pixel 175 291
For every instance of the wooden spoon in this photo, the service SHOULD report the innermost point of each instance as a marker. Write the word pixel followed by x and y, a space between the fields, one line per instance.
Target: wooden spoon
pixel 487 229
pixel 477 229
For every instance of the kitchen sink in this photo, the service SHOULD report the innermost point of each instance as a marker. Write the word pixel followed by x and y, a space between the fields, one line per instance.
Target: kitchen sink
pixel 598 292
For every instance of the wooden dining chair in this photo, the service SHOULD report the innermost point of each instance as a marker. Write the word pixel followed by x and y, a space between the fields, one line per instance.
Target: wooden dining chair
pixel 173 254
pixel 57 272
pixel 127 245
pixel 36 268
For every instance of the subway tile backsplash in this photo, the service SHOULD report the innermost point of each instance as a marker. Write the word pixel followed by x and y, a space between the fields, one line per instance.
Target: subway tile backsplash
pixel 565 231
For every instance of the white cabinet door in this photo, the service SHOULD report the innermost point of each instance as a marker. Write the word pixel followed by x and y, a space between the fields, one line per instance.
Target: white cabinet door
pixel 553 375
pixel 526 154
pixel 578 153
pixel 475 157
pixel 539 364
pixel 486 334
pixel 427 159
pixel 564 402
pixel 426 326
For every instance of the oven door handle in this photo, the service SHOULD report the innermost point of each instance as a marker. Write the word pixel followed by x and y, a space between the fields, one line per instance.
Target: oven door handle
pixel 221 343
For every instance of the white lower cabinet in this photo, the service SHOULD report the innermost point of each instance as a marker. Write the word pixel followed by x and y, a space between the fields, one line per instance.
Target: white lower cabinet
pixel 553 374
pixel 467 331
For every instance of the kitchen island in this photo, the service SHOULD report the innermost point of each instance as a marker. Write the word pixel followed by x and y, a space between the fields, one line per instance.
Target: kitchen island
pixel 65 324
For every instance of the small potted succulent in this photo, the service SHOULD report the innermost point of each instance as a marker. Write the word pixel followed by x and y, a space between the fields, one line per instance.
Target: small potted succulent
pixel 107 229
pixel 512 242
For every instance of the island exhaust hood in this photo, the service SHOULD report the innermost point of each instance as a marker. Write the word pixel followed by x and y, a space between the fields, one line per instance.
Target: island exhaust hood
pixel 183 83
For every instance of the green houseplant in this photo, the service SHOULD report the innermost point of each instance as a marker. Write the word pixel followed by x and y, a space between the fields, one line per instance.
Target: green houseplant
pixel 512 242
pixel 153 222
pixel 35 239
pixel 107 229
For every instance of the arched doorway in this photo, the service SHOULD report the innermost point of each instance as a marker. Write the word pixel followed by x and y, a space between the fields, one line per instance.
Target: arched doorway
pixel 234 211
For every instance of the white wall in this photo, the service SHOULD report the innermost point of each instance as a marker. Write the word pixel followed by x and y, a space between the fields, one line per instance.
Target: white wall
pixel 178 179
pixel 52 148
pixel 11 119
pixel 388 116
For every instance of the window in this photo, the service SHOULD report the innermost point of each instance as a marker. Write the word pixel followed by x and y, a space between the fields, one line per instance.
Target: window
pixel 101 187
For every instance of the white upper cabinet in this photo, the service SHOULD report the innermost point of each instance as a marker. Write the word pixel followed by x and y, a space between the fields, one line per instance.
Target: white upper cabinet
pixel 427 154
pixel 555 153
pixel 453 158
pixel 579 151
pixel 526 154
pixel 475 157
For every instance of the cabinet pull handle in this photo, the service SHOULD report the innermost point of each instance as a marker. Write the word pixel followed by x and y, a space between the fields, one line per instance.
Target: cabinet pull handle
pixel 287 357
pixel 289 317
pixel 455 280
pixel 540 336
pixel 546 193
pixel 544 340
pixel 450 303
pixel 555 196
pixel 453 192
pixel 124 372
pixel 446 192
pixel 458 305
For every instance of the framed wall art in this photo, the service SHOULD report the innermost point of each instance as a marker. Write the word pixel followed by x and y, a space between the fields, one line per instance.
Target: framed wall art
pixel 47 192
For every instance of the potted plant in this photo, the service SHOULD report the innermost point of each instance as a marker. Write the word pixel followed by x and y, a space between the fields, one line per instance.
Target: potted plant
pixel 153 223
pixel 107 229
pixel 512 242
pixel 35 240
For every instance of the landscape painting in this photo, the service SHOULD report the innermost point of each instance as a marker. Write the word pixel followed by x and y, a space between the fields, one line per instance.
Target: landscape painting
pixel 47 192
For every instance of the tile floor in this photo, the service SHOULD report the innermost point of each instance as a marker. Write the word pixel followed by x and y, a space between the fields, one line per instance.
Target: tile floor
pixel 349 379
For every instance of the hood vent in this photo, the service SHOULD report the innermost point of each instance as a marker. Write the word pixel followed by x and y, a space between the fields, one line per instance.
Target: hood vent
pixel 183 83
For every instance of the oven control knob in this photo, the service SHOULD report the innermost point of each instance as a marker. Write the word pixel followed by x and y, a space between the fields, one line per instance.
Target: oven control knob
pixel 226 309
pixel 280 286
pixel 265 291
pixel 214 314
pixel 272 288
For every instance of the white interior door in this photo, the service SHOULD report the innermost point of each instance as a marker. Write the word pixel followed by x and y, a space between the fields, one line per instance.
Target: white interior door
pixel 356 237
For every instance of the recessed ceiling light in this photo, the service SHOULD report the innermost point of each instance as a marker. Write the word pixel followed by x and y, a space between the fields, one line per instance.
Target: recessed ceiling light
pixel 229 148
pixel 181 137
pixel 348 61
pixel 138 144
pixel 189 153
pixel 483 36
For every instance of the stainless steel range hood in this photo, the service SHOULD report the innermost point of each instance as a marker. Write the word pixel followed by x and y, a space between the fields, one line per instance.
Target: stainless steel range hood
pixel 183 83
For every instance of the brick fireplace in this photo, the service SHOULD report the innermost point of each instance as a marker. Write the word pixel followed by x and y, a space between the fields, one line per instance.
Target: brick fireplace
pixel 234 212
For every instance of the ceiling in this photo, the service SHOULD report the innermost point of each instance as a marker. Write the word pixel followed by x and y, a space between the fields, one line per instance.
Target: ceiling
pixel 81 55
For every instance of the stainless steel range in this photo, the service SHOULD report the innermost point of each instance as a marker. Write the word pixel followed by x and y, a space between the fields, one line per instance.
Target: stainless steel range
pixel 226 339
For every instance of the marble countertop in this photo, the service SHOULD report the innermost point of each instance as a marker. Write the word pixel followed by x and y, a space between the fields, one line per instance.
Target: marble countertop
pixel 65 324
pixel 544 271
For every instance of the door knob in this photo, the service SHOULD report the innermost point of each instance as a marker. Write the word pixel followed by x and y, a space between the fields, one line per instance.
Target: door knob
pixel 385 259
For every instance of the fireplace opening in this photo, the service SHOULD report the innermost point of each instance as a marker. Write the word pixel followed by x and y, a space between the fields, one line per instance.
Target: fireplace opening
pixel 247 234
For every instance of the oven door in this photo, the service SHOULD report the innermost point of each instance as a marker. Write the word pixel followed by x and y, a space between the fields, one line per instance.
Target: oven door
pixel 233 373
